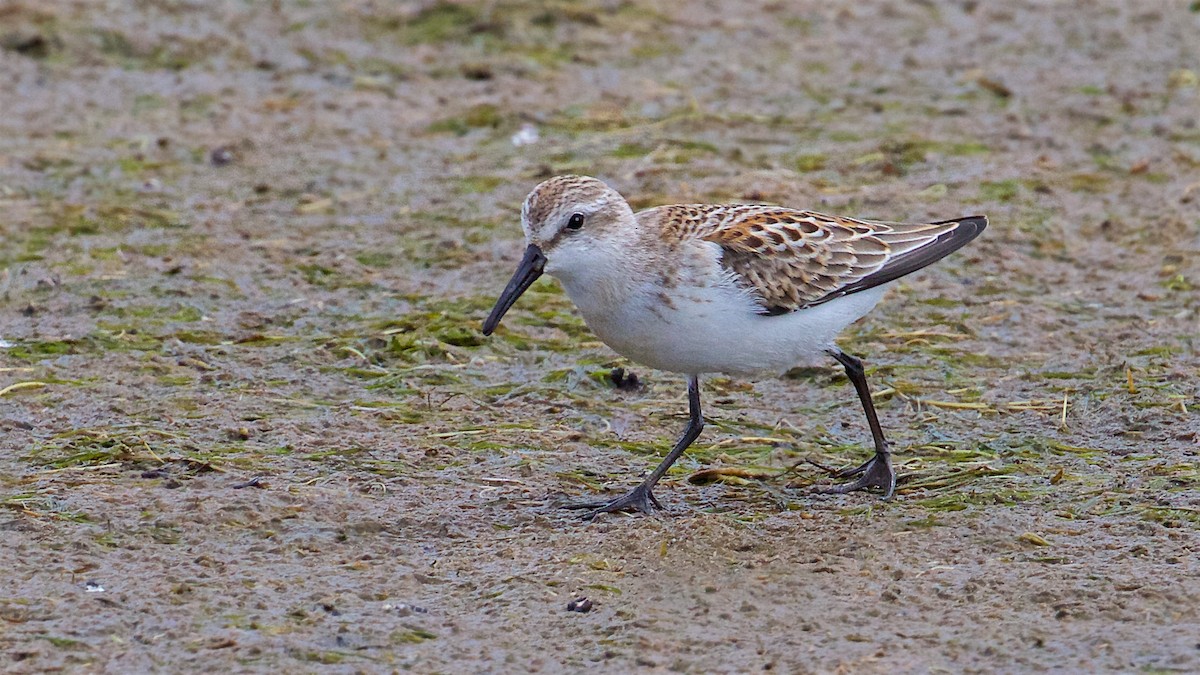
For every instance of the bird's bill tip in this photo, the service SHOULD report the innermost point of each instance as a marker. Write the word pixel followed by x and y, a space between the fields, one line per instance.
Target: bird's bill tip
pixel 528 271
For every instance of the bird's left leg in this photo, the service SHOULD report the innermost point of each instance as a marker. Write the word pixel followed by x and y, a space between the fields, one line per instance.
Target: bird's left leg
pixel 877 471
pixel 641 498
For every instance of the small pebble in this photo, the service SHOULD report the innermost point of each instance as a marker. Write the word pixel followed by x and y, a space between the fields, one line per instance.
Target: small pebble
pixel 624 381
pixel 221 156
pixel 404 609
pixel 526 135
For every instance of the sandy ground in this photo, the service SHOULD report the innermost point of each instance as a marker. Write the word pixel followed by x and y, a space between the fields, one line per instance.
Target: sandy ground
pixel 249 422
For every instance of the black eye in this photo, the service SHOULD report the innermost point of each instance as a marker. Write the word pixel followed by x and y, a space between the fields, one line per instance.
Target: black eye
pixel 575 222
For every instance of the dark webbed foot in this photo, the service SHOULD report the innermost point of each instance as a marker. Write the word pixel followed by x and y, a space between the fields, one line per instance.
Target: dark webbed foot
pixel 638 499
pixel 874 473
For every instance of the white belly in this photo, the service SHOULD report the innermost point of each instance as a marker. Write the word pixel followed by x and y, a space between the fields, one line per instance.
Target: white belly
pixel 716 329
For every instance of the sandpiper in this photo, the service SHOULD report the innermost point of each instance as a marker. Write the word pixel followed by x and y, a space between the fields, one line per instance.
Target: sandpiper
pixel 733 288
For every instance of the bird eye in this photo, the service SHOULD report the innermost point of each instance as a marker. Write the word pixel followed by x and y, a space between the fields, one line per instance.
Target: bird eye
pixel 575 222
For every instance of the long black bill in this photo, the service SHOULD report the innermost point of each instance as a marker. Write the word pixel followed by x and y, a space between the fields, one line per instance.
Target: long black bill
pixel 527 272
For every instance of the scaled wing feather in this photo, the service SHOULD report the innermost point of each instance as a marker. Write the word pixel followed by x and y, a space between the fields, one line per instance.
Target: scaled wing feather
pixel 794 259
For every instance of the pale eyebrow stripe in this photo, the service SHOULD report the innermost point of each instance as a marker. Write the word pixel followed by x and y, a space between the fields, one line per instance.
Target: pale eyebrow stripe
pixel 590 207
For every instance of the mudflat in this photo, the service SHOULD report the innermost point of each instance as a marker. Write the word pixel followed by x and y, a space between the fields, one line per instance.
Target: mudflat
pixel 248 421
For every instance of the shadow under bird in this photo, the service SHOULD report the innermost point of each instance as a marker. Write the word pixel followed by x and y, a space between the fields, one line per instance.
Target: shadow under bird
pixel 721 288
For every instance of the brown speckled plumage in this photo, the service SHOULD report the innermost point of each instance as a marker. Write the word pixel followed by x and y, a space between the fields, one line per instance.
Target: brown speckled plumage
pixel 793 259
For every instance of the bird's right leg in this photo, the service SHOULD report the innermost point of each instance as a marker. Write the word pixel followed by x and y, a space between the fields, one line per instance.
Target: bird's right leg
pixel 875 472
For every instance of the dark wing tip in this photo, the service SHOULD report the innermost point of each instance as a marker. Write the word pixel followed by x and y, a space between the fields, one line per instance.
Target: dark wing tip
pixel 968 228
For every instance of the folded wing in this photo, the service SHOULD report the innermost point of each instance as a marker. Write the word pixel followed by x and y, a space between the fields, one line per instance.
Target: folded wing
pixel 795 259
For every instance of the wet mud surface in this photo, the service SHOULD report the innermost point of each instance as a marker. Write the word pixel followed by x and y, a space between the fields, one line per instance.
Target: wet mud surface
pixel 248 421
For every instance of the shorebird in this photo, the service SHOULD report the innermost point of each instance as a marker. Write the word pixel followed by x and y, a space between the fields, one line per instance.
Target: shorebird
pixel 739 289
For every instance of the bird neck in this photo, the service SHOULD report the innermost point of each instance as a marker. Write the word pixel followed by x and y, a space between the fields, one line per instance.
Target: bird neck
pixel 612 279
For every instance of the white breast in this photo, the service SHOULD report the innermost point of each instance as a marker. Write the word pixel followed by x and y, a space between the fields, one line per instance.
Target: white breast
pixel 704 329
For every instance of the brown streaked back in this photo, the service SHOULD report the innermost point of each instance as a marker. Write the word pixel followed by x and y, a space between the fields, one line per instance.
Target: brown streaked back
pixel 794 259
